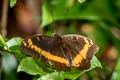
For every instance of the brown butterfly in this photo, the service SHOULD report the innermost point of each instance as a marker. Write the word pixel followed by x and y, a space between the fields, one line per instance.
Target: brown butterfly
pixel 61 51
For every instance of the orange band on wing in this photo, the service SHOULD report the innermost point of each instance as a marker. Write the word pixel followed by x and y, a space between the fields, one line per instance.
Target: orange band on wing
pixel 46 54
pixel 82 54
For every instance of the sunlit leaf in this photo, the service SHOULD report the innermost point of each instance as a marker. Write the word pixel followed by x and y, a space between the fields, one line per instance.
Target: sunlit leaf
pixel 47 17
pixel 94 63
pixel 12 3
pixel 81 1
pixel 14 43
pixel 53 76
pixel 29 66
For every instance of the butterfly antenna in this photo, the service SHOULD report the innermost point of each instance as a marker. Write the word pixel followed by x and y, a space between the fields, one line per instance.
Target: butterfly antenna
pixel 53 21
pixel 55 25
pixel 66 12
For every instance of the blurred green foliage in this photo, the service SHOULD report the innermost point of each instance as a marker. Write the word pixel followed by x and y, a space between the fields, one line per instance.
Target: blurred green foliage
pixel 116 72
pixel 9 65
pixel 89 10
pixel 12 3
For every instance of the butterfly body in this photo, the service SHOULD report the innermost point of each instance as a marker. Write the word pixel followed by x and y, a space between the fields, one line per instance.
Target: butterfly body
pixel 61 51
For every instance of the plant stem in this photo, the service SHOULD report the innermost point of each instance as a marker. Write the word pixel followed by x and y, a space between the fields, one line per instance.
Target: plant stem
pixel 3 50
pixel 4 16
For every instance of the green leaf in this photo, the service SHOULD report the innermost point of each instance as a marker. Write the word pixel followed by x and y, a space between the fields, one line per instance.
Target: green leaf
pixel 116 73
pixel 47 18
pixel 29 66
pixel 94 63
pixel 14 43
pixel 54 12
pixel 52 76
pixel 81 1
pixel 12 3
pixel 19 55
pixel 73 74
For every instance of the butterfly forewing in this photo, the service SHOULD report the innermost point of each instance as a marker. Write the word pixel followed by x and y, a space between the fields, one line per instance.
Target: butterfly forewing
pixel 50 50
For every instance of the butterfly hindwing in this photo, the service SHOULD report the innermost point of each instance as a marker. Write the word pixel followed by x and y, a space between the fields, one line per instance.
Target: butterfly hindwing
pixel 82 50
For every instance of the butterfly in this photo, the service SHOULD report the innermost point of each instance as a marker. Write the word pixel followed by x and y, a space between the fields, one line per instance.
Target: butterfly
pixel 61 51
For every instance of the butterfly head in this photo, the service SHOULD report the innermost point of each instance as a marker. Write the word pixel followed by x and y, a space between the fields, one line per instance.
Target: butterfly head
pixel 57 37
